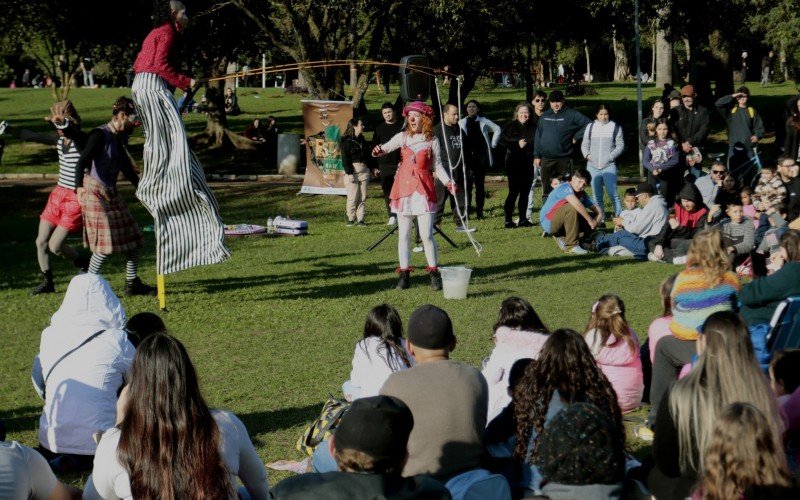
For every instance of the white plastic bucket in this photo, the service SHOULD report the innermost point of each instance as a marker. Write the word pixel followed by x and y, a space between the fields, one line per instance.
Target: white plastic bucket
pixel 455 281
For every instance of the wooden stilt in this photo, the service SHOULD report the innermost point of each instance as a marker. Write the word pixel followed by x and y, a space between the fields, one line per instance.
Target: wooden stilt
pixel 162 292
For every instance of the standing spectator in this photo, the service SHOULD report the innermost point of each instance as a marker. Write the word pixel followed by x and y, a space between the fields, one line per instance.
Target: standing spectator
pixel 451 138
pixel 559 129
pixel 601 146
pixel 87 66
pixel 478 146
pixel 447 399
pixel 518 136
pixel 725 372
pixel 791 145
pixel 538 104
pixel 63 68
pixel 745 127
pixel 766 68
pixel 83 361
pixel 26 78
pixel 647 129
pixel 615 346
pixel 661 159
pixel 355 154
pixel 387 164
pixel 691 124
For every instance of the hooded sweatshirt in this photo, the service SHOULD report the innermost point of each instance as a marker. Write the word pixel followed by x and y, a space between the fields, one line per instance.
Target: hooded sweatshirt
pixel 650 220
pixel 602 144
pixel 82 389
pixel 555 132
pixel 688 222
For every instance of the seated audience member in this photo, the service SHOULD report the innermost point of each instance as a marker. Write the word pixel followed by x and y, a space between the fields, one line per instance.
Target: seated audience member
pixel 749 210
pixel 26 475
pixel 706 286
pixel 771 230
pixel 739 233
pixel 380 353
pixel 728 193
pixel 168 443
pixel 744 453
pixel 658 329
pixel 370 449
pixel 630 211
pixel 499 437
pixel 256 131
pixel 615 347
pixel 581 455
pixel 711 184
pixel 784 377
pixel 770 189
pixel 448 400
pixel 726 371
pixel 142 325
pixel 518 333
pixel 566 213
pixel 565 373
pixel 761 297
pixel 646 224
pixel 84 357
pixel 676 236
pixel 231 102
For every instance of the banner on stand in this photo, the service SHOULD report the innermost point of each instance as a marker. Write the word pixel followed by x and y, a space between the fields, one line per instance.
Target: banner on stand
pixel 324 122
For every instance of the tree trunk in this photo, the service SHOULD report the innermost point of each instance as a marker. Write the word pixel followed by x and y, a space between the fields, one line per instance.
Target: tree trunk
pixel 653 57
pixel 621 69
pixel 588 75
pixel 528 72
pixel 663 59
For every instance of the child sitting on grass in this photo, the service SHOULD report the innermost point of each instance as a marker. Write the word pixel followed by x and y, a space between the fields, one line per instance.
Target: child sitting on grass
pixel 380 353
pixel 739 233
pixel 746 195
pixel 629 214
pixel 615 347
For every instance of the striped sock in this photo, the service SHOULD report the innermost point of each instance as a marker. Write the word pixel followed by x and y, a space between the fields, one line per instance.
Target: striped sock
pixel 96 262
pixel 132 266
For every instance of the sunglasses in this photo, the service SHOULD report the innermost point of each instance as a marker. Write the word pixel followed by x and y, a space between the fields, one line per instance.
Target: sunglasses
pixel 718 171
pixel 538 100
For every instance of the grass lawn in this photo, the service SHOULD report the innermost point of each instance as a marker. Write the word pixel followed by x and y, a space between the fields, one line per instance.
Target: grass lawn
pixel 272 330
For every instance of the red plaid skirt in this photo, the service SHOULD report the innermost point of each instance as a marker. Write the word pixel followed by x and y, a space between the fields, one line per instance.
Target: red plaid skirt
pixel 108 226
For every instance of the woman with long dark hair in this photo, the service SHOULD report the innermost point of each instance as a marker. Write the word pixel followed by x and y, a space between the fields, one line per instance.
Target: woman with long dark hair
pixel 168 443
pixel 188 227
pixel 565 373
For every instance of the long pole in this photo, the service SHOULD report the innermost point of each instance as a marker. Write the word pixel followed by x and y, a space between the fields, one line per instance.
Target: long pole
pixel 638 77
pixel 263 75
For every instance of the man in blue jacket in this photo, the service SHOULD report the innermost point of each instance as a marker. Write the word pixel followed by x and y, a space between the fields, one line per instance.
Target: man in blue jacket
pixel 559 129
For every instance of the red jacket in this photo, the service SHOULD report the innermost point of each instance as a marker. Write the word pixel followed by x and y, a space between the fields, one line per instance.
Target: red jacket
pixel 155 57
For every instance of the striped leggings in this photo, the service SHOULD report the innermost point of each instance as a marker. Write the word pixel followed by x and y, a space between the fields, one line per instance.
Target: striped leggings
pixel 131 267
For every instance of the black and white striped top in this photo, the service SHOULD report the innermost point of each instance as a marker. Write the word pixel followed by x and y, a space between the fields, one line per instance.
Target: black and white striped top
pixel 68 156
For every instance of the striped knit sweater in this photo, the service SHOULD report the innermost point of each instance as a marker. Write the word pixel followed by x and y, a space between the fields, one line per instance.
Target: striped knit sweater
pixel 694 300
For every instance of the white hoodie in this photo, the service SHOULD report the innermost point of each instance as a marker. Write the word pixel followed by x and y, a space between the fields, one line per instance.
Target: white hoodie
pixel 82 389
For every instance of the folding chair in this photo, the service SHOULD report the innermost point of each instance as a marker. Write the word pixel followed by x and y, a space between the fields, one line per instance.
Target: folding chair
pixel 785 332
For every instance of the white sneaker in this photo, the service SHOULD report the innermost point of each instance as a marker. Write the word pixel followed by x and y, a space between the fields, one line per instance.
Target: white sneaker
pixel 577 250
pixel 679 261
pixel 392 221
pixel 561 243
pixel 652 258
pixel 462 229
pixel 3 125
pixel 417 249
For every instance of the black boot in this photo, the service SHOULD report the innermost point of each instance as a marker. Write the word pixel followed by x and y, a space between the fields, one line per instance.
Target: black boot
pixel 47 285
pixel 136 287
pixel 436 279
pixel 403 281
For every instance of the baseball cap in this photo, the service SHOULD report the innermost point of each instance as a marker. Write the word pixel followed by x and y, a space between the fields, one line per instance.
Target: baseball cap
pixel 430 328
pixel 644 188
pixel 378 426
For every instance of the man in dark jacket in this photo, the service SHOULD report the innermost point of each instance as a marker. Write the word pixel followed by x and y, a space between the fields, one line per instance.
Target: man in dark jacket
pixel 387 164
pixel 450 137
pixel 691 123
pixel 559 129
pixel 370 449
pixel 538 102
pixel 745 127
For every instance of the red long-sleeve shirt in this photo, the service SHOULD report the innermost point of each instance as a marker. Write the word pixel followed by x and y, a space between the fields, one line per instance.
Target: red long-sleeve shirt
pixel 155 57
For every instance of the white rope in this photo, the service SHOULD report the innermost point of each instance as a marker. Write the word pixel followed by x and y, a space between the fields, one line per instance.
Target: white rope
pixel 463 217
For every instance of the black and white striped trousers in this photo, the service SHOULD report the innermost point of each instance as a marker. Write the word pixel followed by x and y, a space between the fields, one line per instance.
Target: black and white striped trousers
pixel 188 228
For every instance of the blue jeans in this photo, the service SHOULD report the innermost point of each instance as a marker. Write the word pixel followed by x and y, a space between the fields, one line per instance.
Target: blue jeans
pixel 321 460
pixel 605 177
pixel 622 238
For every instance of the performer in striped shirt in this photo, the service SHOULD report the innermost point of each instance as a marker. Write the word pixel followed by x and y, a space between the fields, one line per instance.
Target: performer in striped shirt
pixel 62 214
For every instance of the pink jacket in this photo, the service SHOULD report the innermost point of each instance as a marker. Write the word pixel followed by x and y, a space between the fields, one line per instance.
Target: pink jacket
pixel 659 329
pixel 622 367
pixel 510 346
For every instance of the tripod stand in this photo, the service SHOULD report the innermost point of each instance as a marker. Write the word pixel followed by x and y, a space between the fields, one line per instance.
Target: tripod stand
pixel 388 233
